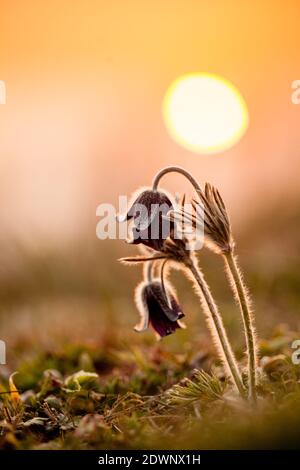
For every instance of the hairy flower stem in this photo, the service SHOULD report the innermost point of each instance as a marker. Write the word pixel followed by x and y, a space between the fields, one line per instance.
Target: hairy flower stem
pixel 216 326
pixel 148 268
pixel 242 298
pixel 174 169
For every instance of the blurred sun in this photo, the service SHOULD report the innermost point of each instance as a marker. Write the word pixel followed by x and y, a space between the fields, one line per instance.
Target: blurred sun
pixel 205 113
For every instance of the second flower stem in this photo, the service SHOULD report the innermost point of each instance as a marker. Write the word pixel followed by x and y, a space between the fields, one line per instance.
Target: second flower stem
pixel 242 298
pixel 216 326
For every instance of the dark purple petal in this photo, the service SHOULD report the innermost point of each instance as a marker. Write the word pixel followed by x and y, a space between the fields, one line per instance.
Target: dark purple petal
pixel 171 309
pixel 148 211
pixel 163 326
pixel 162 316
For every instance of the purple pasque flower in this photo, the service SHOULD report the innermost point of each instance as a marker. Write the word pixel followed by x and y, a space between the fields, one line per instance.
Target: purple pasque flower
pixel 149 212
pixel 158 308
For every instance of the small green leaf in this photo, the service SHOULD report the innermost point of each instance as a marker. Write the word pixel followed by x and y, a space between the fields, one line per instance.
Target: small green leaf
pixel 79 380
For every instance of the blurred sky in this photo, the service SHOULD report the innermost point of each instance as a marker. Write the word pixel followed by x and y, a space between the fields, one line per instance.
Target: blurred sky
pixel 85 82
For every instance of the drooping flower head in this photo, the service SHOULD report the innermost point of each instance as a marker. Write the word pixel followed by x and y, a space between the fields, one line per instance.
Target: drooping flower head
pixel 158 308
pixel 148 211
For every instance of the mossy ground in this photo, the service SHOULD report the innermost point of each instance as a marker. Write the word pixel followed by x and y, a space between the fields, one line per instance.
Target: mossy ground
pixel 66 313
pixel 81 397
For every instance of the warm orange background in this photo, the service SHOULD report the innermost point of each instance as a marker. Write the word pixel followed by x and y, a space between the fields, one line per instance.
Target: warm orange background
pixel 85 82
